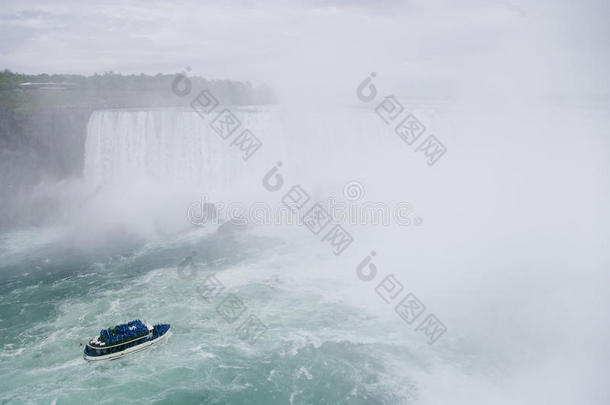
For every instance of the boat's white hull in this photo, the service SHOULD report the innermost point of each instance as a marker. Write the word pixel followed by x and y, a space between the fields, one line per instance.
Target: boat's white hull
pixel 113 356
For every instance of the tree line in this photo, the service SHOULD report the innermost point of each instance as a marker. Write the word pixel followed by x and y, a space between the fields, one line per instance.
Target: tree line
pixel 117 90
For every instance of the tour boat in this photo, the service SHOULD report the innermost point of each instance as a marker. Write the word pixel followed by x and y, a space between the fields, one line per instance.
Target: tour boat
pixel 123 339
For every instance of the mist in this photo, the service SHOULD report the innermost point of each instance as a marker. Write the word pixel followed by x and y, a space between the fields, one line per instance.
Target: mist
pixel 462 148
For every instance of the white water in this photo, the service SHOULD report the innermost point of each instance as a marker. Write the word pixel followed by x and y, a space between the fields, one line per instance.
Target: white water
pixel 164 146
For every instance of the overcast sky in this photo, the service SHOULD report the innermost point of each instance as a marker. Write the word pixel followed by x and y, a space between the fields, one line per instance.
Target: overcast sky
pixel 427 46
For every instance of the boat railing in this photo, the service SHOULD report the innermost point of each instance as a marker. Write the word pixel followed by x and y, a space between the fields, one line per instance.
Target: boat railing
pixel 120 344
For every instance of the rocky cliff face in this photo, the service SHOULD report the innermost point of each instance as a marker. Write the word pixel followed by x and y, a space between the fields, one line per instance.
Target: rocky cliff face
pixel 38 145
pixel 50 141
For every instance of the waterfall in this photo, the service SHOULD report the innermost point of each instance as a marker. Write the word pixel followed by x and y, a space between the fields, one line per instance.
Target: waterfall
pixel 166 146
pixel 149 169
pixel 179 147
